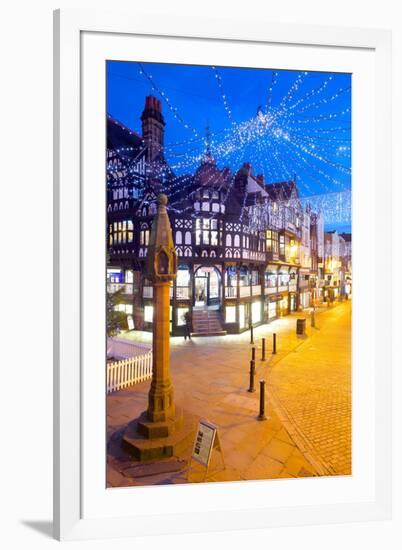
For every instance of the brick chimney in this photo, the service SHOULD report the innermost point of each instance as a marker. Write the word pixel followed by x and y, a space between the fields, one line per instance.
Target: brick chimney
pixel 153 128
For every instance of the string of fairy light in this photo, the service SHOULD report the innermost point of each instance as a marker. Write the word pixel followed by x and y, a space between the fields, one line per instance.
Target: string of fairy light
pixel 303 133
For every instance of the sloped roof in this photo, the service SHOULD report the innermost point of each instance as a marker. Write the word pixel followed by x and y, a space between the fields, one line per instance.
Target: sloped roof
pixel 119 136
pixel 346 237
pixel 283 190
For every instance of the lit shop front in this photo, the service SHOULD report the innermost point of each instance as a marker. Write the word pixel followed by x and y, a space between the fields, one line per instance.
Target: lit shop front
pixel 121 281
pixel 283 290
pixel 305 298
pixel 271 307
pixel 283 305
pixel 239 316
pixel 292 301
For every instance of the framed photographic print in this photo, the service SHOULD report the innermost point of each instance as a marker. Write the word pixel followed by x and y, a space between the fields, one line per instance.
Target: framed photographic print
pixel 217 335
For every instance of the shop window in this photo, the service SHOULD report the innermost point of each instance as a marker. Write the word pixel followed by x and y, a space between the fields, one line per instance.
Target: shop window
pixel 244 276
pixel 230 314
pixel 272 241
pixel 282 245
pixel 242 316
pixel 148 314
pixel 272 310
pixel 183 276
pixel 256 312
pixel 283 278
pixel 231 276
pixel 255 277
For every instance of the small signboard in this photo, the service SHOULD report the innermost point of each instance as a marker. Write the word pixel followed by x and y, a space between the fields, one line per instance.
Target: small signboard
pixel 204 442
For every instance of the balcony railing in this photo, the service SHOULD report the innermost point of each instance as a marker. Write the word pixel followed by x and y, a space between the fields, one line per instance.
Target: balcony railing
pixel 231 292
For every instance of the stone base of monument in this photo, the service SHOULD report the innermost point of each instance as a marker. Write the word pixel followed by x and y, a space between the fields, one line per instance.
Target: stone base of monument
pixel 145 440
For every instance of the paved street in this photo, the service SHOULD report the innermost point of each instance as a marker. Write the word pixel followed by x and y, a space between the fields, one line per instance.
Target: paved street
pixel 308 404
pixel 312 388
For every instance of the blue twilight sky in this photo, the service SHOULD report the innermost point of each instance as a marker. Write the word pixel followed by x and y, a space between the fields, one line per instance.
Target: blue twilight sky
pixel 286 123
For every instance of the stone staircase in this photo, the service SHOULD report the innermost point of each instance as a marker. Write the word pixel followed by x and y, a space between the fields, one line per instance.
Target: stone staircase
pixel 207 323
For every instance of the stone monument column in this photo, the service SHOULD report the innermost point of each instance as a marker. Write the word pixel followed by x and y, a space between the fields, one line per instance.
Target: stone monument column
pixel 161 430
pixel 160 398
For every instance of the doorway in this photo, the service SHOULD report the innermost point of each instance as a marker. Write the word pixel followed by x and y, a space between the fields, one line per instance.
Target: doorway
pixel 201 291
pixel 207 287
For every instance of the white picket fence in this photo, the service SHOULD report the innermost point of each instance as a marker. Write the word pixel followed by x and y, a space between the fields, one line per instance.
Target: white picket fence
pixel 125 373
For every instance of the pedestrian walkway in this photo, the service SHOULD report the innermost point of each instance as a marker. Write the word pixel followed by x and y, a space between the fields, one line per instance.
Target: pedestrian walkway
pixel 312 389
pixel 211 377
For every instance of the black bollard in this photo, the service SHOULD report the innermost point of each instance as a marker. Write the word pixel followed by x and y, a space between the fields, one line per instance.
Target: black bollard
pixel 252 376
pixel 274 343
pixel 263 350
pixel 251 334
pixel 262 416
pixel 253 354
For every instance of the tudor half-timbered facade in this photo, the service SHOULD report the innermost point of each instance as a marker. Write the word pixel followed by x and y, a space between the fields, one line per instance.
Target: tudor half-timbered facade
pixel 238 238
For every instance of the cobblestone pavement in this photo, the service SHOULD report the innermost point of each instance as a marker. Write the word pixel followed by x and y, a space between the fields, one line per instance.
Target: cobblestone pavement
pixel 307 432
pixel 312 386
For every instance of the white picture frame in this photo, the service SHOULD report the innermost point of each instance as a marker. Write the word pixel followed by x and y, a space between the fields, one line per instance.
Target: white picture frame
pixel 76 431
